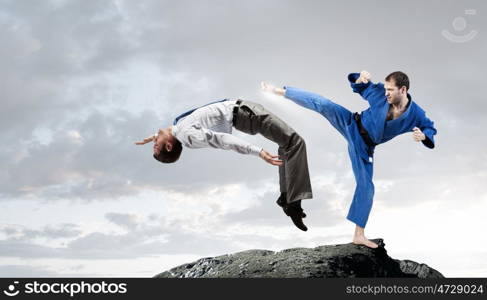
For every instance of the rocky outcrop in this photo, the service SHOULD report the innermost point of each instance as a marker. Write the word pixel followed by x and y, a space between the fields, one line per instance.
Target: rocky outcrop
pixel 343 260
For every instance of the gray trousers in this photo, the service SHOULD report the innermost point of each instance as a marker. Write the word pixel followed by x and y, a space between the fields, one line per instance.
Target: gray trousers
pixel 253 118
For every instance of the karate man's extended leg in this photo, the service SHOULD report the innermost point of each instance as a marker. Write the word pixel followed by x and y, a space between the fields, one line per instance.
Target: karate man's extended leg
pixel 338 116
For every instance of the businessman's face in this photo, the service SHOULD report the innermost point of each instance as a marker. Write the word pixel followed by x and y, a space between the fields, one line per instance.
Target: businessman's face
pixel 158 143
pixel 162 141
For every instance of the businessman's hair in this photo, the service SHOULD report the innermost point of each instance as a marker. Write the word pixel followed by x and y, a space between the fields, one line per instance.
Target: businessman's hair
pixel 400 79
pixel 168 157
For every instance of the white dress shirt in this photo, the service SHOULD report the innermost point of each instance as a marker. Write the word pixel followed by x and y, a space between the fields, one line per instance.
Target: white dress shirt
pixel 211 126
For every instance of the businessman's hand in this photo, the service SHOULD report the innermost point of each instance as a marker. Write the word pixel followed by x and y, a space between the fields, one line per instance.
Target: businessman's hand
pixel 145 141
pixel 266 87
pixel 418 135
pixel 364 77
pixel 269 158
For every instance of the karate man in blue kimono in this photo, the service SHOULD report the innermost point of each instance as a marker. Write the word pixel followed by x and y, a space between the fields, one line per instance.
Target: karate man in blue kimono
pixel 392 112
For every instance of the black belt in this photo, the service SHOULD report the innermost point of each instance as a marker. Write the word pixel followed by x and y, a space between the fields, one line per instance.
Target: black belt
pixel 365 135
pixel 235 110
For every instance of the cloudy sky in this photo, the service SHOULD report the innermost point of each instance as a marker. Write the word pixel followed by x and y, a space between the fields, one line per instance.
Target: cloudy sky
pixel 80 81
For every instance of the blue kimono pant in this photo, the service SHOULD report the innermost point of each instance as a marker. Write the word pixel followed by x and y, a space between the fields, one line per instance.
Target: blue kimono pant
pixel 342 119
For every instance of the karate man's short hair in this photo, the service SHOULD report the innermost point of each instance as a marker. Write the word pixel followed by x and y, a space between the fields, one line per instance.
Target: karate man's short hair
pixel 168 157
pixel 400 79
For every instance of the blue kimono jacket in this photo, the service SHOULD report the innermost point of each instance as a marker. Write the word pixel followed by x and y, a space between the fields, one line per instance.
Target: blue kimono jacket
pixel 374 118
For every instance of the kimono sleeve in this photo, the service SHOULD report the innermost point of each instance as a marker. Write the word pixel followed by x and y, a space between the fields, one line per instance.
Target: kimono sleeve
pixel 372 92
pixel 427 127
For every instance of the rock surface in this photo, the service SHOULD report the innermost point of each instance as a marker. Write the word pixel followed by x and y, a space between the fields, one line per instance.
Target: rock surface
pixel 343 260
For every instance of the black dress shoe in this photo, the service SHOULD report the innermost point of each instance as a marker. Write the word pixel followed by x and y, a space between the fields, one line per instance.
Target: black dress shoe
pixel 282 202
pixel 295 211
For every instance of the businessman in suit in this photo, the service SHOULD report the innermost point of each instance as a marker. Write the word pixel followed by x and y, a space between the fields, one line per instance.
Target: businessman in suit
pixel 210 126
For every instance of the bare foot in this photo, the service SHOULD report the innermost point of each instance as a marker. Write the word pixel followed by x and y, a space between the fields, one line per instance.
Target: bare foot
pixel 362 240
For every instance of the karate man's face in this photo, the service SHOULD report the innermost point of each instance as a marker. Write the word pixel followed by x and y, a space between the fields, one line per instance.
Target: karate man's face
pixel 394 94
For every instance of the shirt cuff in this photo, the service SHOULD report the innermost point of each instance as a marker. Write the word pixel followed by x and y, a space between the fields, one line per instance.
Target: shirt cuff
pixel 254 150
